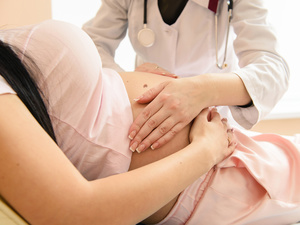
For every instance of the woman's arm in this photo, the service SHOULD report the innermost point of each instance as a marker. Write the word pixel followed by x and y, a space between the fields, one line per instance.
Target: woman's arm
pixel 175 103
pixel 44 187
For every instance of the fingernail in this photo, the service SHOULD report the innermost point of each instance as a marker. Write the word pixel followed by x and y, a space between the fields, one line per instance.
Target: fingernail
pixel 132 134
pixel 140 148
pixel 133 146
pixel 138 98
pixel 154 146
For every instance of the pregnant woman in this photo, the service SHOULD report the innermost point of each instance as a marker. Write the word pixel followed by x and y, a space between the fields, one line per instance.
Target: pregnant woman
pixel 91 109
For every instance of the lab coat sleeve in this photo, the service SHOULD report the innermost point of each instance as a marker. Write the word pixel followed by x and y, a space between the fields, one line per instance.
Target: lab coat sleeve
pixel 263 71
pixel 108 28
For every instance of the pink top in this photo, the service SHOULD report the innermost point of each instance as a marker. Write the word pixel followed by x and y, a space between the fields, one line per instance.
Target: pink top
pixel 88 105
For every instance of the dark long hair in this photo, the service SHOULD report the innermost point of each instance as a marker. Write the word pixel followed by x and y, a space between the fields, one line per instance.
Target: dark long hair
pixel 18 77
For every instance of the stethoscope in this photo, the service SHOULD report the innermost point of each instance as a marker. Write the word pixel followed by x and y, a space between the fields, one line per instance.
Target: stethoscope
pixel 146 36
pixel 223 65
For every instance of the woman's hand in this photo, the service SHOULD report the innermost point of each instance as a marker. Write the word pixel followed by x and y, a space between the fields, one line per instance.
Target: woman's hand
pixel 154 68
pixel 174 104
pixel 209 129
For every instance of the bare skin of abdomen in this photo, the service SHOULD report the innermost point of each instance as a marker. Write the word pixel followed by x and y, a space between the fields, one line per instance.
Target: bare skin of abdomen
pixel 137 83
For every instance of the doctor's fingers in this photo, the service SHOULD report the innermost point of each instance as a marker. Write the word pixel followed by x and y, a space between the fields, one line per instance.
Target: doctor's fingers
pixel 155 126
pixel 152 93
pixel 142 118
pixel 146 67
pixel 154 68
pixel 157 102
pixel 161 135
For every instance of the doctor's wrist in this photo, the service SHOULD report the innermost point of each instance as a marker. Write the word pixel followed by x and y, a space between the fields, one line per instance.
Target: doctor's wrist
pixel 224 89
pixel 207 90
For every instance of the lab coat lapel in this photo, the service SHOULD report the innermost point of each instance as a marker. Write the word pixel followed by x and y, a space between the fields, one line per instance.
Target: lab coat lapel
pixel 203 3
pixel 209 4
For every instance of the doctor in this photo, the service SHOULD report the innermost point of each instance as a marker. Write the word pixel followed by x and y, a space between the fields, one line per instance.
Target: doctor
pixel 225 51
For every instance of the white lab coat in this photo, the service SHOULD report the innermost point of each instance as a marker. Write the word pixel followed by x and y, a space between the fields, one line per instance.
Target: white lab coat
pixel 187 48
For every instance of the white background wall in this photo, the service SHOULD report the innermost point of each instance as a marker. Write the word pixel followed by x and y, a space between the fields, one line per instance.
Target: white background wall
pixel 80 11
pixel 283 14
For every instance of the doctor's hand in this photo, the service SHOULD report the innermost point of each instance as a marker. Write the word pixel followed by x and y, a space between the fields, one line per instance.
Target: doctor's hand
pixel 173 105
pixel 154 68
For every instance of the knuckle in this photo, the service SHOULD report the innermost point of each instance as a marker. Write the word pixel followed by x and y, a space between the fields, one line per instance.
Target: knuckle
pixel 163 129
pixel 137 139
pixel 151 91
pixel 172 133
pixel 166 138
pixel 151 123
pixel 164 97
pixel 146 142
pixel 146 114
pixel 163 140
pixel 175 105
pixel 135 126
pixel 185 117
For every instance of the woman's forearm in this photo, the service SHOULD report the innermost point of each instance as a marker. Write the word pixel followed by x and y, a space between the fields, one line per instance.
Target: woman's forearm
pixel 141 192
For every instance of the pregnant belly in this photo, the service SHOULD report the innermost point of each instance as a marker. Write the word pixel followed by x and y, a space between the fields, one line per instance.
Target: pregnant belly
pixel 136 84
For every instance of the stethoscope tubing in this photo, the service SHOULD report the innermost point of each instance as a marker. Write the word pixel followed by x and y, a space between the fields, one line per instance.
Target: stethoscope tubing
pixel 223 65
pixel 146 36
pixel 145 11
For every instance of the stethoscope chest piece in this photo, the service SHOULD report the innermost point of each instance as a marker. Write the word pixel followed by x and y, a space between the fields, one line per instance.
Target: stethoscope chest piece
pixel 146 37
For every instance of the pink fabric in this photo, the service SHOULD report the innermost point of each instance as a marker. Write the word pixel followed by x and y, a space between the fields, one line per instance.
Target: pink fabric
pixel 5 88
pixel 88 105
pixel 258 184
